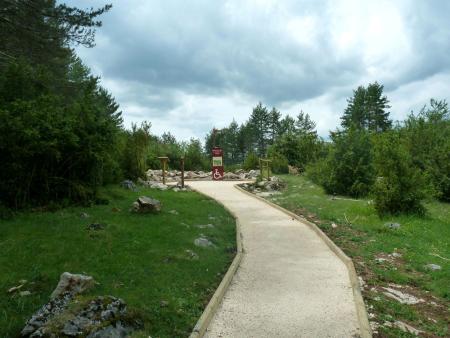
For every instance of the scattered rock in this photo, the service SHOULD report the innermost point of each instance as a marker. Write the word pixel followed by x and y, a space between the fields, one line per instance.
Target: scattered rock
pixel 100 317
pixel 396 255
pixel 16 288
pixel 128 184
pixel 72 283
pixel 192 254
pixel 392 225
pixel 204 226
pixel 362 283
pixel 407 328
pixel 203 242
pixel 401 297
pixel 146 204
pixel 96 226
pixel 433 267
pixel 381 260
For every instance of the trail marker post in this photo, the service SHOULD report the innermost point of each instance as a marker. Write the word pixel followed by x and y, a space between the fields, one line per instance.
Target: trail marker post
pixel 182 172
pixel 264 165
pixel 164 160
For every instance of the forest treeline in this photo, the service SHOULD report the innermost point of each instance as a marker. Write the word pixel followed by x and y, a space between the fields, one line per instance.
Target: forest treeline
pixel 62 134
pixel 398 164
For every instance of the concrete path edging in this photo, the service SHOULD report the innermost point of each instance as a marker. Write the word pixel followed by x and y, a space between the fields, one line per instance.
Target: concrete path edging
pixel 210 310
pixel 361 311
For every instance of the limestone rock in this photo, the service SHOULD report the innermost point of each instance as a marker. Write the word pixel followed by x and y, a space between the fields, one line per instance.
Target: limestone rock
pixel 433 267
pixel 128 184
pixel 203 242
pixel 392 225
pixel 146 204
pixel 72 283
pixel 401 297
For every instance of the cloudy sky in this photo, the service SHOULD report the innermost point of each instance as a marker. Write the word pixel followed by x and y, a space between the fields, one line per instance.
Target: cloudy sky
pixel 188 66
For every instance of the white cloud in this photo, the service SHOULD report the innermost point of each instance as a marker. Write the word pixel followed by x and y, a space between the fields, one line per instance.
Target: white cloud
pixel 189 66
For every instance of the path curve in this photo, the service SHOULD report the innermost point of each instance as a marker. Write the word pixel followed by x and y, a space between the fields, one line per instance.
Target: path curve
pixel 289 283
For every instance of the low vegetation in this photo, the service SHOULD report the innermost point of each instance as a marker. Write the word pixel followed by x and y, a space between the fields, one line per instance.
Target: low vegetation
pixel 385 256
pixel 148 260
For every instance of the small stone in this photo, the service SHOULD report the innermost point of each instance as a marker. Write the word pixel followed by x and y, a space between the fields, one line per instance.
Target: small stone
pixel 433 267
pixel 146 204
pixel 84 215
pixel 407 328
pixel 380 259
pixel 164 303
pixel 24 293
pixel 392 225
pixel 72 283
pixel 203 242
pixel 128 184
pixel 173 212
pixel 396 255
pixel 192 254
pixel 401 297
pixel 204 226
pixel 96 226
pixel 15 288
pixel 334 225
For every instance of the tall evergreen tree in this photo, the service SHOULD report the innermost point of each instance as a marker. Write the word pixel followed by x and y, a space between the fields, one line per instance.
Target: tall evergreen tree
pixel 367 110
pixel 259 124
pixel 274 124
pixel 304 124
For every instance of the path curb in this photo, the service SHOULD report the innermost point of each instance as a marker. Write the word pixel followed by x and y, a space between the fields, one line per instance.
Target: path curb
pixel 211 309
pixel 364 326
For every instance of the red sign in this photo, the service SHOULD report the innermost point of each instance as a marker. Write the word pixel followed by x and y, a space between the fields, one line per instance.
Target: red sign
pixel 217 164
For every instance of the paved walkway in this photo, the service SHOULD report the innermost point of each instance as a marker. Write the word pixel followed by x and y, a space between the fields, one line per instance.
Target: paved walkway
pixel 289 283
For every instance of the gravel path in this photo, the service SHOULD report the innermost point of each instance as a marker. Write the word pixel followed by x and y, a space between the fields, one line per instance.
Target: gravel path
pixel 289 283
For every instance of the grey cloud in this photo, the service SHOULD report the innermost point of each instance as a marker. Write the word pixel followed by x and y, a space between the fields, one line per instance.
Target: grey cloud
pixel 158 53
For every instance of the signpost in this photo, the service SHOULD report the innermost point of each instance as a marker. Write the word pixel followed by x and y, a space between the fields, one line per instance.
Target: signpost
pixel 182 172
pixel 217 164
pixel 164 160
pixel 264 167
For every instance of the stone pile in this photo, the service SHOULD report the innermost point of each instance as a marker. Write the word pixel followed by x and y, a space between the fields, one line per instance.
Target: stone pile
pixel 270 186
pixel 155 176
pixel 67 316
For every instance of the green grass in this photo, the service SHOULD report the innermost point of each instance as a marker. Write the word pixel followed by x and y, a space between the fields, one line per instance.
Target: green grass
pixel 363 236
pixel 140 258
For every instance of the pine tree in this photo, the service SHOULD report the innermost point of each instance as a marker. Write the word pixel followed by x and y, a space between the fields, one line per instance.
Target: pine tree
pixel 367 110
pixel 259 125
pixel 304 124
pixel 274 124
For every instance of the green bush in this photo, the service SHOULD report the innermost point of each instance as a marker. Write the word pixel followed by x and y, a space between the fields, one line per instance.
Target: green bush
pixel 279 164
pixel 348 168
pixel 400 187
pixel 251 161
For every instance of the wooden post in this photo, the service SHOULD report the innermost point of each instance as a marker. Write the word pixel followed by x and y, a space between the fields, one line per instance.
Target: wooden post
pixel 264 164
pixel 182 172
pixel 164 160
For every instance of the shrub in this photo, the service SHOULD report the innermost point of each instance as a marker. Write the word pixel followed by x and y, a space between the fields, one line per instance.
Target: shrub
pixel 348 168
pixel 400 186
pixel 279 164
pixel 251 161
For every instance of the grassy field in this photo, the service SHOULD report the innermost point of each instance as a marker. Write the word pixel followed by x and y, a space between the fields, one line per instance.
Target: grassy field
pixel 140 258
pixel 365 238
